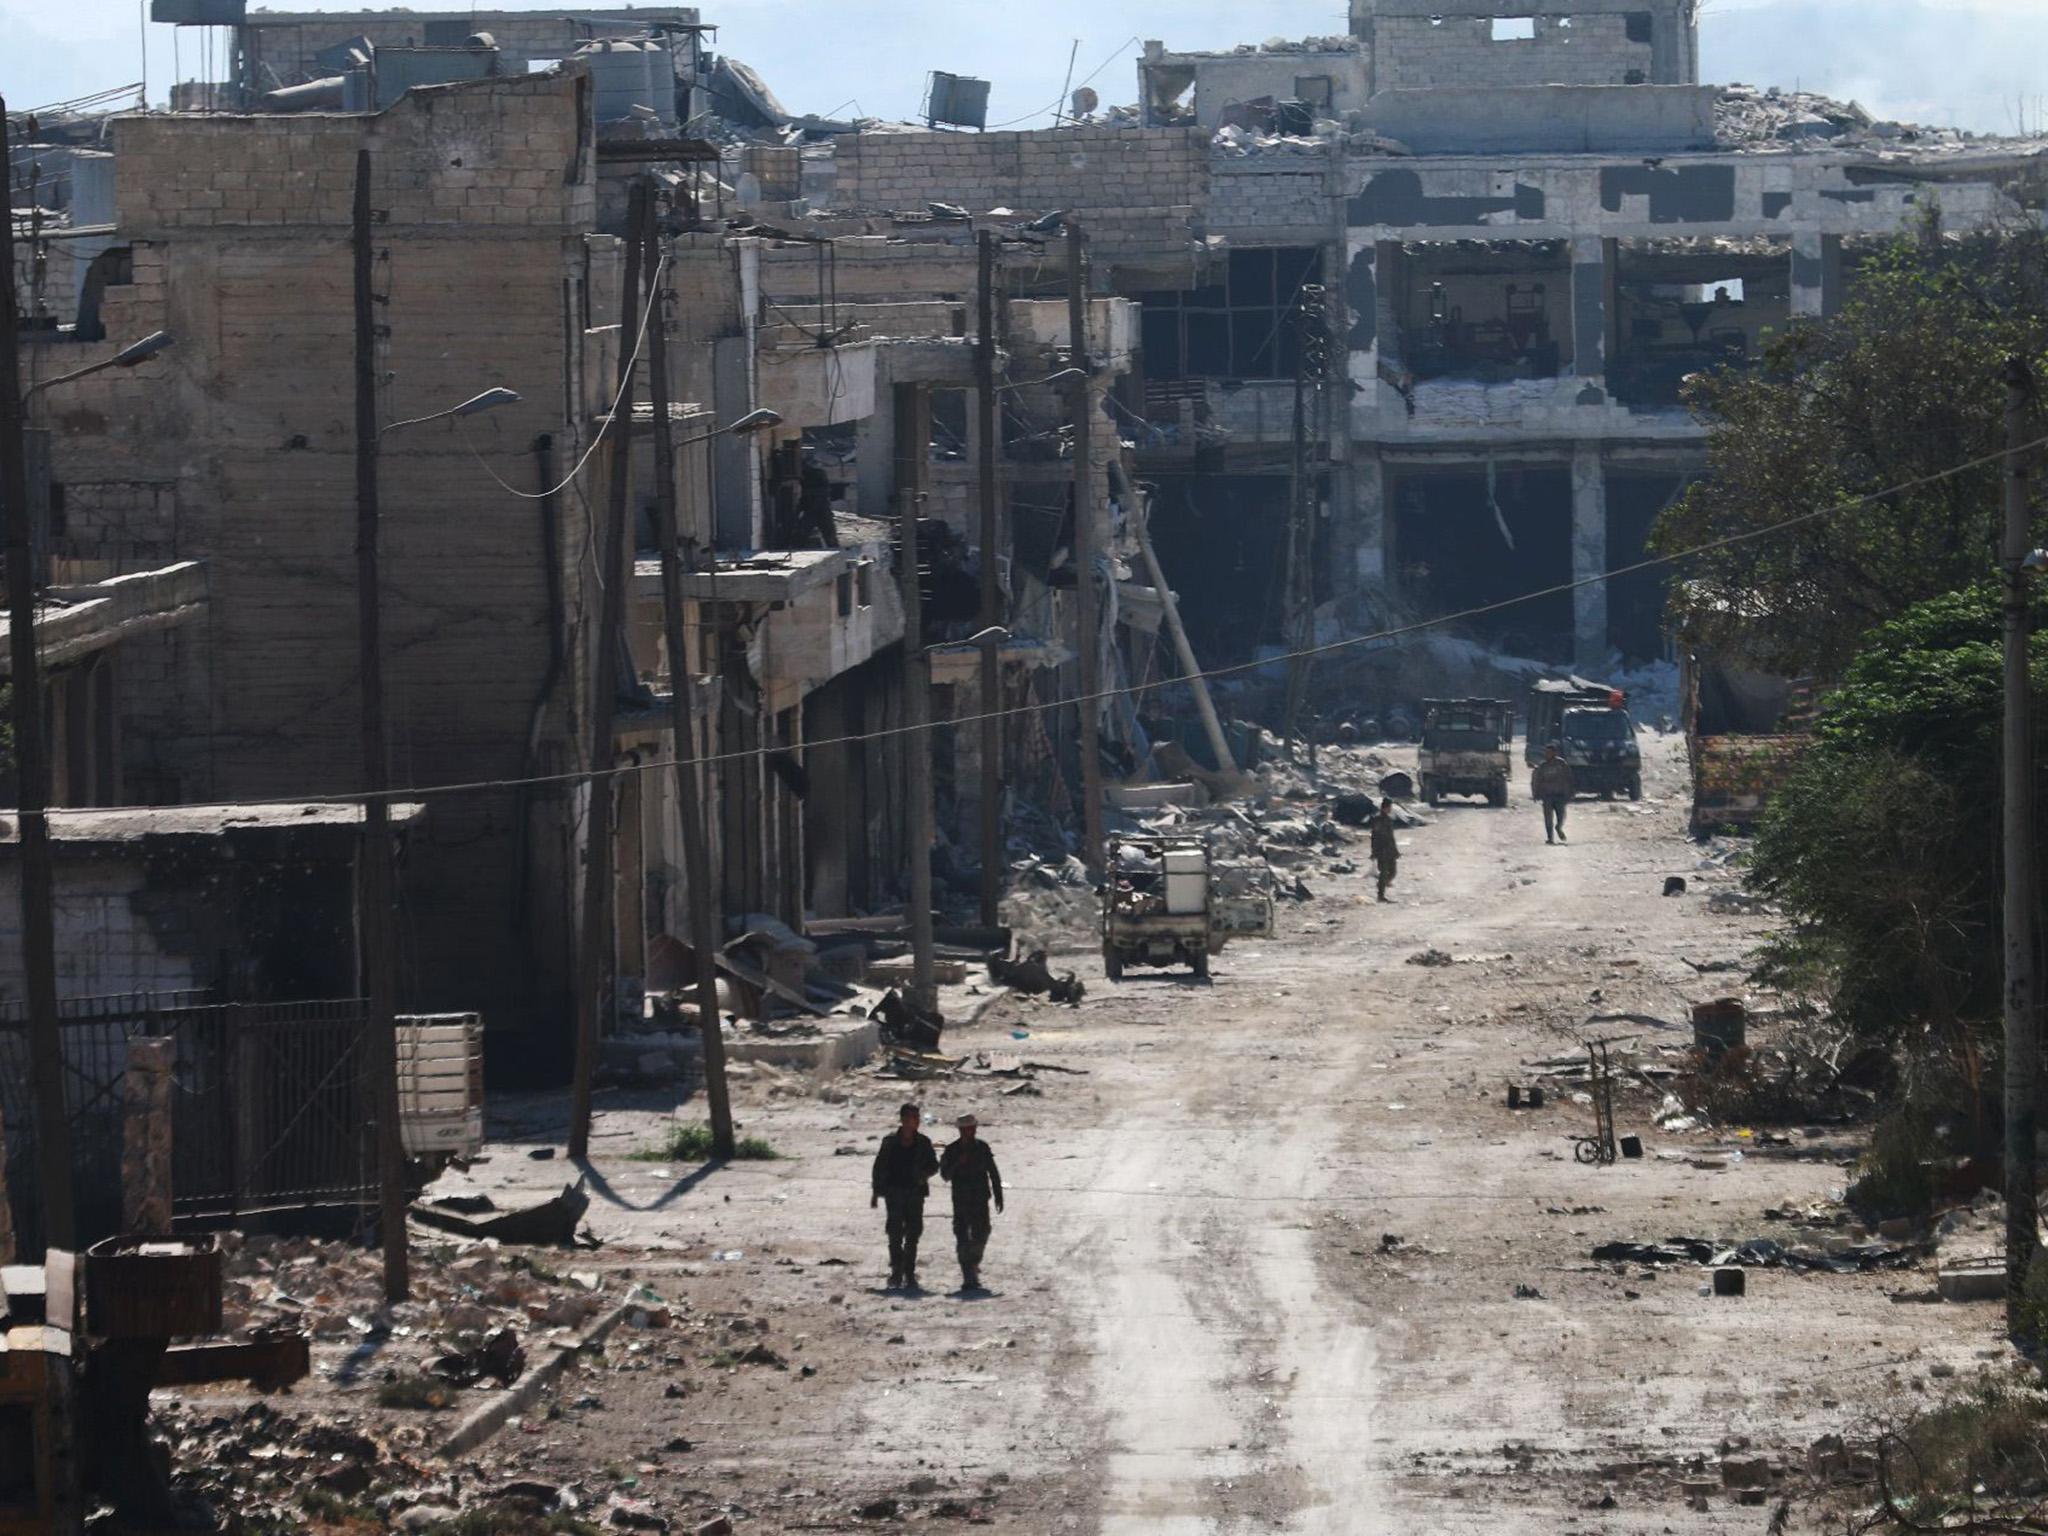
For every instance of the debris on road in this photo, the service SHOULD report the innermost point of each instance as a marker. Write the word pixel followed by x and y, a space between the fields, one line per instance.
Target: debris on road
pixel 551 1223
pixel 1759 1253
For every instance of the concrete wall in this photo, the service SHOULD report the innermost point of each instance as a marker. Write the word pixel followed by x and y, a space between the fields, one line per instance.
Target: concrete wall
pixel 278 47
pixel 269 922
pixel 1575 42
pixel 239 227
pixel 1224 79
pixel 1079 168
pixel 1548 119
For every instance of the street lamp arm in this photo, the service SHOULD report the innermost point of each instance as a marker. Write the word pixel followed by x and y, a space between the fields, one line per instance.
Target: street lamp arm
pixel 489 399
pixel 754 421
pixel 128 357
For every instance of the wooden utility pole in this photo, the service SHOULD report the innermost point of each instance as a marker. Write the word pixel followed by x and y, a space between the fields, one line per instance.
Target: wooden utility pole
pixel 32 773
pixel 1297 553
pixel 380 972
pixel 1084 550
pixel 702 901
pixel 592 971
pixel 913 452
pixel 991 590
pixel 2022 1048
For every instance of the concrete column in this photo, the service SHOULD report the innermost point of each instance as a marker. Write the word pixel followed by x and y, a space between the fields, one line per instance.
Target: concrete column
pixel 1366 535
pixel 146 1137
pixel 7 1245
pixel 874 437
pixel 1816 275
pixel 1589 307
pixel 738 503
pixel 1589 556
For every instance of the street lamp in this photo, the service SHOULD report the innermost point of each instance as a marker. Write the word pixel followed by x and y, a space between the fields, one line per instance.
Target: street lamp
pixel 490 399
pixel 136 352
pixel 754 421
pixel 31 755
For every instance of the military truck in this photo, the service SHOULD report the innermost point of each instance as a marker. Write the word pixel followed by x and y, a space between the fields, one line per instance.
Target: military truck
pixel 1466 749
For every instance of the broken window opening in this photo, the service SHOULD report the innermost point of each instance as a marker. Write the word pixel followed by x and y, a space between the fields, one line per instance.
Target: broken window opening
pixel 1240 327
pixel 949 426
pixel 1514 29
pixel 1685 307
pixel 1471 536
pixel 1487 312
pixel 1168 95
pixel 1224 538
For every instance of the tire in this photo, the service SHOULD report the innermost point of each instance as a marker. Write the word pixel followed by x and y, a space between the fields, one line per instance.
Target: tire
pixel 1430 793
pixel 1200 965
pixel 1606 794
pixel 1497 793
pixel 1635 787
pixel 1112 962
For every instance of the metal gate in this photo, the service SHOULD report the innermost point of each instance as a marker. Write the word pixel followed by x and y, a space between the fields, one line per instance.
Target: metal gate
pixel 269 1106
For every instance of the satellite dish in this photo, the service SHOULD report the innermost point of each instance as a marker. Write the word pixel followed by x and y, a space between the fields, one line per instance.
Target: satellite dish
pixel 1085 101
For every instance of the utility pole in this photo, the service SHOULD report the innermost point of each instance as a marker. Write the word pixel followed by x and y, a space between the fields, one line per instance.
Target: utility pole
pixel 2022 1049
pixel 1084 551
pixel 380 973
pixel 913 449
pixel 592 969
pixel 32 772
pixel 991 590
pixel 1297 556
pixel 702 901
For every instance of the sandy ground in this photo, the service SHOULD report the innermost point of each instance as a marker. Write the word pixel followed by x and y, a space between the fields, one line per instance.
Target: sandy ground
pixel 1260 1265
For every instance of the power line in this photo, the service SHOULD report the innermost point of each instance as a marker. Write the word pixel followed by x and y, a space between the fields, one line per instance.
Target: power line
pixel 576 776
pixel 625 384
pixel 1059 104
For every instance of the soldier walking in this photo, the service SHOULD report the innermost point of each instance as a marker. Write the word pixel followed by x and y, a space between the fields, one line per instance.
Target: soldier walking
pixel 970 1167
pixel 1386 853
pixel 903 1177
pixel 1553 784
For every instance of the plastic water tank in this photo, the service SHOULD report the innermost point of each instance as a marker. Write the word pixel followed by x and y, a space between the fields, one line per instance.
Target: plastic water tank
pixel 618 77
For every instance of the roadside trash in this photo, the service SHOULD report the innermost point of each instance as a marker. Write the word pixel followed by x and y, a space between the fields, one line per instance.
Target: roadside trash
pixel 1729 1282
pixel 1033 976
pixel 1734 903
pixel 1524 1098
pixel 1527 1293
pixel 1971 1279
pixel 1631 1146
pixel 1429 957
pixel 498 1357
pixel 1756 1253
pixel 1674 885
pixel 1397 786
pixel 551 1222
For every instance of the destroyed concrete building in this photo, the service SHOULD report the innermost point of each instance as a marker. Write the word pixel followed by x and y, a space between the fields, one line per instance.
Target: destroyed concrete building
pixel 1378 326
pixel 1527 223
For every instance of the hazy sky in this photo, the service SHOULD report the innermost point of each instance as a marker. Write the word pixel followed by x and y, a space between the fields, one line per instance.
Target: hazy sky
pixel 1976 63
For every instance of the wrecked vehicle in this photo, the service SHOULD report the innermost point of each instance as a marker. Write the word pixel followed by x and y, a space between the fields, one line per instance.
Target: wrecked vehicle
pixel 1465 748
pixel 1164 904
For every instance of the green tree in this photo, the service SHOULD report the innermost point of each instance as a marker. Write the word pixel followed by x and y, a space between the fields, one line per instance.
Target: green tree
pixel 1884 846
pixel 1902 384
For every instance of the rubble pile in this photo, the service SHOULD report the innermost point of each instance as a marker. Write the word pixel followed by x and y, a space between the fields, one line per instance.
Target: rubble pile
pixel 363 1446
pixel 1774 119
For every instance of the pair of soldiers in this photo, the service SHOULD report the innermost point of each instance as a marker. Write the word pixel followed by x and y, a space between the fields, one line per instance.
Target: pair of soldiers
pixel 902 1178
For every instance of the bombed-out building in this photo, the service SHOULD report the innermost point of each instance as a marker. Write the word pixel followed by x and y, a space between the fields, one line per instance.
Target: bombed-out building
pixel 1356 329
pixel 1519 227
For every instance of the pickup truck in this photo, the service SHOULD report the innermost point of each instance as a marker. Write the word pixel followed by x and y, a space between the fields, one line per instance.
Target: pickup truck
pixel 1165 902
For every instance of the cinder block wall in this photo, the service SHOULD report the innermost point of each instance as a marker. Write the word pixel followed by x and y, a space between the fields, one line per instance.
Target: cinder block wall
pixel 483 195
pixel 1429 51
pixel 1079 168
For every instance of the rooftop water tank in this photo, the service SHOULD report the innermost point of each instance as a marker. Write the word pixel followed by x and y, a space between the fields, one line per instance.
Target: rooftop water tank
pixel 625 74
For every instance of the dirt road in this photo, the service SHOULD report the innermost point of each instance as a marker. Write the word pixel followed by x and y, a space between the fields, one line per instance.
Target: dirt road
pixel 1276 1256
